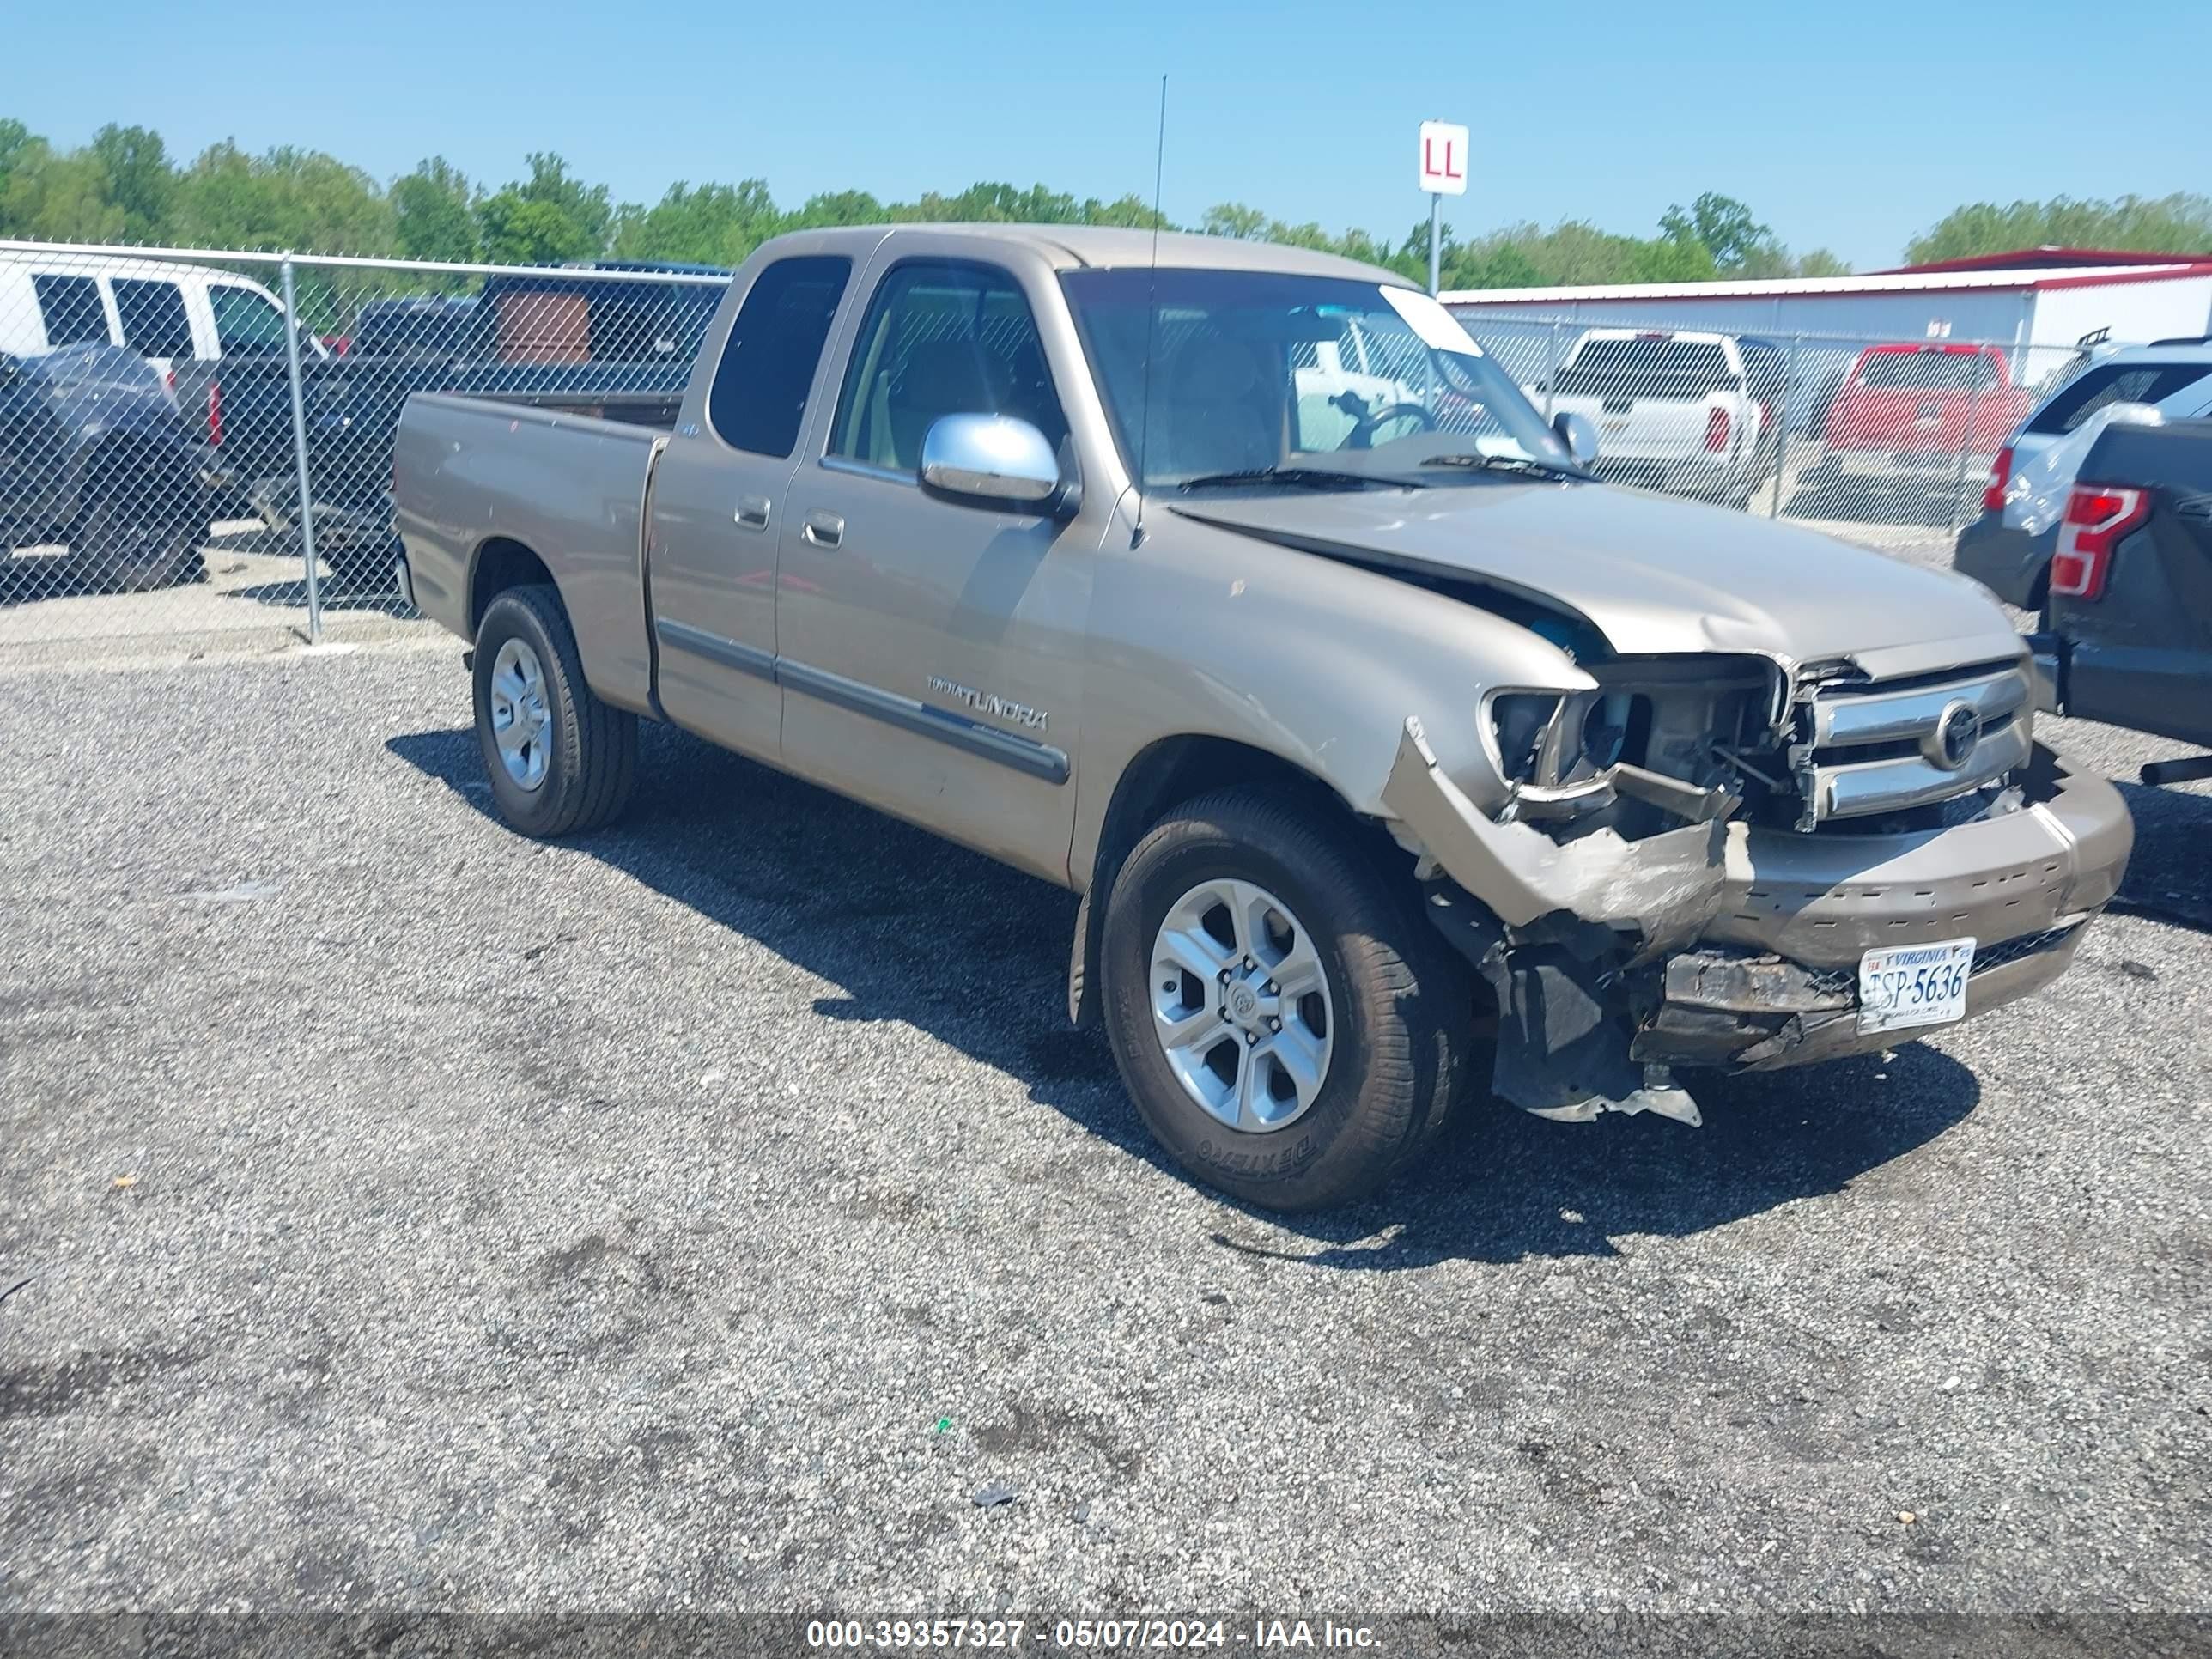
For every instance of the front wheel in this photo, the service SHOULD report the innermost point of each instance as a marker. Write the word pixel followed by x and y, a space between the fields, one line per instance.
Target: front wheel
pixel 559 760
pixel 1289 1029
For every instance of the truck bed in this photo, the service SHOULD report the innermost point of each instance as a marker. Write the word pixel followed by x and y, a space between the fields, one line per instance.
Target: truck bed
pixel 547 477
pixel 352 411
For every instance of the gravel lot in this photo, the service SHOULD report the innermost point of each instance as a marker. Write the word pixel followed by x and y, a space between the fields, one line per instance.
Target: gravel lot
pixel 252 597
pixel 699 1214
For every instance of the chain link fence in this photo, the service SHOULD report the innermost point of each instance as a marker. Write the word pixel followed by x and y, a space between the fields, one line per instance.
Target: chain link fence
pixel 1847 431
pixel 200 441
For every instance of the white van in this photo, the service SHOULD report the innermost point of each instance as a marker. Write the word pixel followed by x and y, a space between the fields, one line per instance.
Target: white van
pixel 159 310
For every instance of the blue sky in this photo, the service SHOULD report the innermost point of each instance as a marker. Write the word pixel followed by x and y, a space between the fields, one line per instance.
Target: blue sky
pixel 1851 126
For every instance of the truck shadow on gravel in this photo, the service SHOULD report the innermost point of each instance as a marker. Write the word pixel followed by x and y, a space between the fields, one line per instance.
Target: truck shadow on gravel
pixel 2166 873
pixel 890 914
pixel 1508 1186
pixel 340 591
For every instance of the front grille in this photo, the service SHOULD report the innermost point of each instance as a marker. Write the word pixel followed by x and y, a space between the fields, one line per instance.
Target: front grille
pixel 2012 949
pixel 1871 749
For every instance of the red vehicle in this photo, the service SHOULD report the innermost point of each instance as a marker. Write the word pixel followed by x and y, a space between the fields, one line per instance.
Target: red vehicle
pixel 1932 414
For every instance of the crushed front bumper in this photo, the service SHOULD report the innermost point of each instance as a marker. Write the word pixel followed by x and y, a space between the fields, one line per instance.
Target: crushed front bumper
pixel 1774 980
pixel 1824 899
pixel 1741 1011
pixel 1734 946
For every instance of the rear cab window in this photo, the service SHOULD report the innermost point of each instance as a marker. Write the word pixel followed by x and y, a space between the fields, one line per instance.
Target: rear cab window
pixel 1653 366
pixel 153 316
pixel 757 402
pixel 598 318
pixel 245 323
pixel 2116 383
pixel 71 309
pixel 647 322
pixel 1929 371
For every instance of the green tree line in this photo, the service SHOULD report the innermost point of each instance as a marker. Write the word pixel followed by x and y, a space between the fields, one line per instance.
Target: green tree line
pixel 124 186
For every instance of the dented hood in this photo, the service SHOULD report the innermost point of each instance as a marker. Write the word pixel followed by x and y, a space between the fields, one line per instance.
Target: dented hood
pixel 1654 575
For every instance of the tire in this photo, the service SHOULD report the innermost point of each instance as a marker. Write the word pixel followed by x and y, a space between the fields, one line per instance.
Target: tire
pixel 1400 1005
pixel 356 568
pixel 133 536
pixel 586 757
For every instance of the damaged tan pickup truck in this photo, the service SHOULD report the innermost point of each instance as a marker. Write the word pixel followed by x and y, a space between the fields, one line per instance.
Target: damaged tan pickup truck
pixel 1233 587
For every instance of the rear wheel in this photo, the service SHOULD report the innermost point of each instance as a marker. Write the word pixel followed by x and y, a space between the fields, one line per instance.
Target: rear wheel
pixel 135 535
pixel 559 760
pixel 1289 1030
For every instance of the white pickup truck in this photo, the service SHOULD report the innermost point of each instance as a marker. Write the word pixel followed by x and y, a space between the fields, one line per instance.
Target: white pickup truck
pixel 1689 413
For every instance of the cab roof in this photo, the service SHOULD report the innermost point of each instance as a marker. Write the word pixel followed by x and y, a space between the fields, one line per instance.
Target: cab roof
pixel 1080 247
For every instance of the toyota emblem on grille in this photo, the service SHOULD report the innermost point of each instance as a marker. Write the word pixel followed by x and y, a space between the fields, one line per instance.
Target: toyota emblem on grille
pixel 1958 729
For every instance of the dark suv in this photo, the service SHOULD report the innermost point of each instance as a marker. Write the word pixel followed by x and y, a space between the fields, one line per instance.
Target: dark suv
pixel 2127 632
pixel 2007 549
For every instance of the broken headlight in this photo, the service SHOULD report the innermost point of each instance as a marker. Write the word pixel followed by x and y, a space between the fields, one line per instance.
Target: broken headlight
pixel 1661 729
pixel 1519 721
pixel 1551 738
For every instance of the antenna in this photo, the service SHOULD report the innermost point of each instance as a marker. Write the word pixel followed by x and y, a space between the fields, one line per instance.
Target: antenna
pixel 1151 316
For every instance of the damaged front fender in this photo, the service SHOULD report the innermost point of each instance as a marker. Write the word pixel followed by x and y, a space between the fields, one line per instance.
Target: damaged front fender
pixel 1554 926
pixel 1661 890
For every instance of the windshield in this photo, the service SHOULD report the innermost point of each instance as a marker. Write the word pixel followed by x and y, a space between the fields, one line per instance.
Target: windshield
pixel 1255 370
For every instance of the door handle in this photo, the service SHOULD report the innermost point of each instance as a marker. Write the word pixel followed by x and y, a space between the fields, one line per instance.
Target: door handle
pixel 752 512
pixel 824 529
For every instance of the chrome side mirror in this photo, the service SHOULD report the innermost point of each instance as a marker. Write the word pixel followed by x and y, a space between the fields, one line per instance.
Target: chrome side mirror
pixel 1580 437
pixel 992 459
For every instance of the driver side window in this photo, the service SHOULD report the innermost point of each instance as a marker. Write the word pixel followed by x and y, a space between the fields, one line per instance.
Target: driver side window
pixel 941 338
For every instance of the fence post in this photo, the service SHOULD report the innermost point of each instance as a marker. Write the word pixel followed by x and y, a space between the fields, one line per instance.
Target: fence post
pixel 1551 374
pixel 1782 424
pixel 1965 446
pixel 300 454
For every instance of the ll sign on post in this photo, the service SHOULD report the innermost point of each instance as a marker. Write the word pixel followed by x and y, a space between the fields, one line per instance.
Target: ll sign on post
pixel 1443 172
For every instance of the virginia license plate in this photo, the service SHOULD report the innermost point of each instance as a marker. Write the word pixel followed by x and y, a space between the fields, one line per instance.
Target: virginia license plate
pixel 1905 985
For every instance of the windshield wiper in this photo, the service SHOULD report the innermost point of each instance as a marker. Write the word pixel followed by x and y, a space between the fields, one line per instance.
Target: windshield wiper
pixel 1301 477
pixel 1517 463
